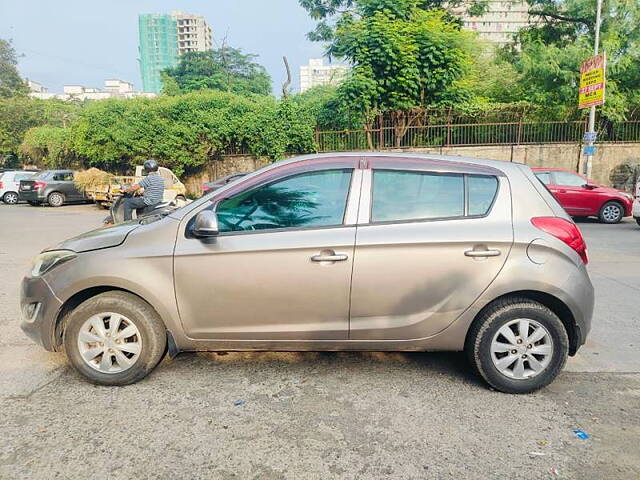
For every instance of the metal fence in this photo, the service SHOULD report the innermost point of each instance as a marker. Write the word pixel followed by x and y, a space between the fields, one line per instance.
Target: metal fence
pixel 467 134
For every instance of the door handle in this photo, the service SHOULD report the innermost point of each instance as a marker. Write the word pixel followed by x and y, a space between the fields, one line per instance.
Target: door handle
pixel 329 257
pixel 489 252
pixel 561 191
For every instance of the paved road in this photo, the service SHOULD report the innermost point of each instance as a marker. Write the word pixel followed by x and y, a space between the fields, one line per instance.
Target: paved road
pixel 311 415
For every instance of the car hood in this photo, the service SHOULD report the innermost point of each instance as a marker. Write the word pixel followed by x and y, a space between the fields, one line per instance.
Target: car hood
pixel 98 239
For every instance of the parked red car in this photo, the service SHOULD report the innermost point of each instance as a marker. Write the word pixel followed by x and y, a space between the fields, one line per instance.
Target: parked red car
pixel 582 197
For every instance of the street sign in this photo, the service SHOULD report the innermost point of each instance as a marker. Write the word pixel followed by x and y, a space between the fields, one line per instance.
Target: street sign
pixel 592 81
pixel 589 137
pixel 590 150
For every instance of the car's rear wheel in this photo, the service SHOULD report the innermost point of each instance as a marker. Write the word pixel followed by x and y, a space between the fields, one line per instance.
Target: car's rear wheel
pixel 637 220
pixel 55 199
pixel 10 198
pixel 517 345
pixel 114 338
pixel 611 212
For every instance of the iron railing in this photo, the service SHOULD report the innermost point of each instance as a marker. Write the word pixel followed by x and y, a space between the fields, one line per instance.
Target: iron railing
pixel 467 134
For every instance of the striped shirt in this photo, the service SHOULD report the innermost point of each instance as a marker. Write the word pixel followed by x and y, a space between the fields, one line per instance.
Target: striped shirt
pixel 153 185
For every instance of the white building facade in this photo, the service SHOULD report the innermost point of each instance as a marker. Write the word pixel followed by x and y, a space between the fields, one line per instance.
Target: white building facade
pixel 317 73
pixel 194 33
pixel 502 19
pixel 113 88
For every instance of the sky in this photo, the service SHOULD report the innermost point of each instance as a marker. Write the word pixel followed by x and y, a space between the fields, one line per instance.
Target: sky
pixel 84 42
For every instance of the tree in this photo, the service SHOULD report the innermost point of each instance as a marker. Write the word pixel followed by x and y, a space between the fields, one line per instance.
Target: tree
pixel 10 82
pixel 328 13
pixel 323 104
pixel 546 57
pixel 226 69
pixel 402 57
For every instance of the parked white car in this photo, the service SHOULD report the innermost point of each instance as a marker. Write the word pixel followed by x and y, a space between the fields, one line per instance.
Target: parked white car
pixel 636 203
pixel 9 183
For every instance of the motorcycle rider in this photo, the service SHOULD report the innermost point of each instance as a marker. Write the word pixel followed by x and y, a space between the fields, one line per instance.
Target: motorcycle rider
pixel 153 190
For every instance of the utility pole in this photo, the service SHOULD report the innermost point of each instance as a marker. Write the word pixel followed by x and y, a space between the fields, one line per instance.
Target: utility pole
pixel 592 110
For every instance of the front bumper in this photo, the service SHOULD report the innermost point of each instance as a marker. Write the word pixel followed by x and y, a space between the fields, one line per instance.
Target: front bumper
pixel 39 307
pixel 636 208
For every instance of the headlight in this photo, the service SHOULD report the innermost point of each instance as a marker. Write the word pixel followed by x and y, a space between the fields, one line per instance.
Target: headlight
pixel 47 260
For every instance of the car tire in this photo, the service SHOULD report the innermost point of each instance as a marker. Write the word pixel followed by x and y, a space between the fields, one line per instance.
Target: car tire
pixel 131 343
pixel 55 199
pixel 10 198
pixel 517 366
pixel 611 212
pixel 637 219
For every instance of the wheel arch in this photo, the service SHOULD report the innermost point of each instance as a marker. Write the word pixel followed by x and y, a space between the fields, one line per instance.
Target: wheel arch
pixel 553 303
pixel 81 296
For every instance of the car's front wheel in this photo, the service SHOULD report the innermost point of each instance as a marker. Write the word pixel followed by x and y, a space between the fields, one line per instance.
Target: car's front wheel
pixel 611 212
pixel 10 198
pixel 517 345
pixel 114 338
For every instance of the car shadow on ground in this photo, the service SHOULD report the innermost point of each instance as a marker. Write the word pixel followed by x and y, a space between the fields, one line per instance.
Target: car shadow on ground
pixel 450 364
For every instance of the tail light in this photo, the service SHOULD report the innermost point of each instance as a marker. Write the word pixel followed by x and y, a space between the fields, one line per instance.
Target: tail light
pixel 1 185
pixel 563 230
pixel 38 185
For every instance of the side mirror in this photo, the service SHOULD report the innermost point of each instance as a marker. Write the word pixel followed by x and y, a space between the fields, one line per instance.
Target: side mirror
pixel 206 224
pixel 589 186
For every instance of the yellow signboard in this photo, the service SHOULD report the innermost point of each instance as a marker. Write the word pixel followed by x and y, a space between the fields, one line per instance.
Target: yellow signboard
pixel 592 81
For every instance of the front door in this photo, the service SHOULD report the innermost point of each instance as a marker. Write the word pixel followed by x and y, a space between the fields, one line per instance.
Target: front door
pixel 569 189
pixel 280 269
pixel 429 243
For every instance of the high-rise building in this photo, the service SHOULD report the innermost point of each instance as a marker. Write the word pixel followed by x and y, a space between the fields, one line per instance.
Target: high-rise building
pixel 316 73
pixel 194 34
pixel 502 19
pixel 158 48
pixel 163 37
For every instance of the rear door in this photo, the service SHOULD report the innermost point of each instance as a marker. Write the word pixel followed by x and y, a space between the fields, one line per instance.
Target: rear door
pixel 432 236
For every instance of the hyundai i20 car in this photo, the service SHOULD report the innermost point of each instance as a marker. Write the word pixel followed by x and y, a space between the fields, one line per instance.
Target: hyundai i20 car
pixel 338 252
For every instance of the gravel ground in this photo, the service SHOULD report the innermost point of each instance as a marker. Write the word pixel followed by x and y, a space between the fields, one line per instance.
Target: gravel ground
pixel 319 415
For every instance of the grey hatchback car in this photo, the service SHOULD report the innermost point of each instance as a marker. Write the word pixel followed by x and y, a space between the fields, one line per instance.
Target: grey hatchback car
pixel 345 251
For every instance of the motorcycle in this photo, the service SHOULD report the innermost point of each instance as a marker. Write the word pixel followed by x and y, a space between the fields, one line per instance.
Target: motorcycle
pixel 116 212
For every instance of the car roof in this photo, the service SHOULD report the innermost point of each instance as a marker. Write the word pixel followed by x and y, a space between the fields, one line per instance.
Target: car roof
pixel 538 169
pixel 501 165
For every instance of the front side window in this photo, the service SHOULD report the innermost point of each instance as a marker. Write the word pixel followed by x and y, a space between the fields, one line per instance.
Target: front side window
pixel 569 179
pixel 407 195
pixel 314 199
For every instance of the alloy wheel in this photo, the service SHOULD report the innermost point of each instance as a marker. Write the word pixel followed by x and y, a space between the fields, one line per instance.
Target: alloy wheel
pixel 109 342
pixel 611 213
pixel 521 349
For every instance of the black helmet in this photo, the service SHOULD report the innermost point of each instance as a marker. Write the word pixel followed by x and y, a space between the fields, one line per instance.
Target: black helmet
pixel 150 165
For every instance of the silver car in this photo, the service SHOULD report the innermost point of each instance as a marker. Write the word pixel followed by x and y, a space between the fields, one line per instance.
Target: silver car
pixel 347 251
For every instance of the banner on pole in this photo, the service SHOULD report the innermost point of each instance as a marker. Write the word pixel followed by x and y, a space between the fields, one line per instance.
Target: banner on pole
pixel 592 81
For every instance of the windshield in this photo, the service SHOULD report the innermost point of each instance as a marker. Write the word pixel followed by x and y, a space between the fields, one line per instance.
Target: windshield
pixel 41 175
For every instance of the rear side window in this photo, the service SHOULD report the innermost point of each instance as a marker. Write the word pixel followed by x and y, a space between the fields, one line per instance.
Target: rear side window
pixel 63 177
pixel 399 195
pixel 409 195
pixel 544 177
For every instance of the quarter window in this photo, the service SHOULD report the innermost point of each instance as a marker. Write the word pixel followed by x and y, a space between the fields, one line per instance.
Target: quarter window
pixel 402 195
pixel 482 191
pixel 314 199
